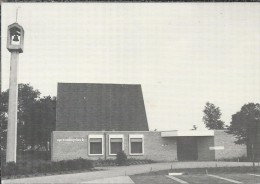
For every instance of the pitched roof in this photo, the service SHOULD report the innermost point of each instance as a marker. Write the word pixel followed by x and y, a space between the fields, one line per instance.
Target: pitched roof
pixel 97 107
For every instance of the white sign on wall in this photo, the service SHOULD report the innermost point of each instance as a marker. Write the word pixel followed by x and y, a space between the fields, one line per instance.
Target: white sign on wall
pixel 216 148
pixel 71 140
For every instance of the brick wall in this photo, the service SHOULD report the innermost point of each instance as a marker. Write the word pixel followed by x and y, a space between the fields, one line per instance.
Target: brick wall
pixel 155 147
pixel 204 154
pixel 231 150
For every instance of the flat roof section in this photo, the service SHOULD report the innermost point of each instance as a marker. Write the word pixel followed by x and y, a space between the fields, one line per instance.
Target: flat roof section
pixel 187 133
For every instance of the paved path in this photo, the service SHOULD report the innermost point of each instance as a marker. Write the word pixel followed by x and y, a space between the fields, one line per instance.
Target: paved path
pixel 113 180
pixel 109 172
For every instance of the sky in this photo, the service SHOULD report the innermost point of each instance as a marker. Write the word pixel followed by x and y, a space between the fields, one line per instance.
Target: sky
pixel 183 54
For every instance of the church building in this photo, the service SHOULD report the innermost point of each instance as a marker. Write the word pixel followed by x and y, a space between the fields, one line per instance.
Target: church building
pixel 96 121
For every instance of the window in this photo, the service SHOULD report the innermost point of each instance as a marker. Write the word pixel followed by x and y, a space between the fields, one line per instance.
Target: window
pixel 116 144
pixel 95 144
pixel 136 144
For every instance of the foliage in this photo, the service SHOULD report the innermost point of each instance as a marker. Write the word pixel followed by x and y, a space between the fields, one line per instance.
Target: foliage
pixel 36 118
pixel 212 116
pixel 3 119
pixel 121 158
pixel 194 127
pixel 246 123
pixel 129 161
pixel 37 130
pixel 133 161
pixel 25 167
pixel 236 159
pixel 10 168
pixel 107 162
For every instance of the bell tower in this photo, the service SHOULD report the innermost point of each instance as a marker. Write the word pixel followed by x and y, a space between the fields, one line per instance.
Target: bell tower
pixel 15 41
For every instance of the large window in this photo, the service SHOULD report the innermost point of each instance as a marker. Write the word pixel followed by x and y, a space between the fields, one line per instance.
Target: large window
pixel 95 144
pixel 116 144
pixel 136 144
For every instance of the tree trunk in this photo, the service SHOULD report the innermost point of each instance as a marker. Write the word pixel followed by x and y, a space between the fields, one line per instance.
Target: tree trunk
pixel 257 142
pixel 249 151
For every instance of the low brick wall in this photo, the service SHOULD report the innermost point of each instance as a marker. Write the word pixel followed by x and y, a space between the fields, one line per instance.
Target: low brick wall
pixel 231 150
pixel 155 147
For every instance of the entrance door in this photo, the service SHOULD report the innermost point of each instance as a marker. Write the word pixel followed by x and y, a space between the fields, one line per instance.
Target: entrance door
pixel 187 149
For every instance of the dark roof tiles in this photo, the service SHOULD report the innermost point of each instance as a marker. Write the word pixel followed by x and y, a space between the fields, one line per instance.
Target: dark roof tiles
pixel 97 107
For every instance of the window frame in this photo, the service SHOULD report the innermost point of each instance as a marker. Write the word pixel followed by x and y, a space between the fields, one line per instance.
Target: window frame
pixel 134 136
pixel 116 136
pixel 96 136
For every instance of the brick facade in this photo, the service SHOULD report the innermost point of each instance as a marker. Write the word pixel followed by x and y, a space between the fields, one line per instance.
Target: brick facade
pixel 231 150
pixel 155 147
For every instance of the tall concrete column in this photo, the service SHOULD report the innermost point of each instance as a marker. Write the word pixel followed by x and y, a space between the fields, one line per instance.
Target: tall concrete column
pixel 12 109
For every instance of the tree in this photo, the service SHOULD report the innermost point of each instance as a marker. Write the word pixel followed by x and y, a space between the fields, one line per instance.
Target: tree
pixel 3 119
pixel 36 117
pixel 37 131
pixel 194 127
pixel 212 116
pixel 245 125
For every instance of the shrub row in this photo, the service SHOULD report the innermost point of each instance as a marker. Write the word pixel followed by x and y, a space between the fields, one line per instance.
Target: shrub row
pixel 236 159
pixel 28 156
pixel 112 162
pixel 25 168
pixel 132 161
pixel 107 162
pixel 121 159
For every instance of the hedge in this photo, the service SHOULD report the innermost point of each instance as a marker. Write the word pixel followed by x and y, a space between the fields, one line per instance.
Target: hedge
pixel 113 162
pixel 25 168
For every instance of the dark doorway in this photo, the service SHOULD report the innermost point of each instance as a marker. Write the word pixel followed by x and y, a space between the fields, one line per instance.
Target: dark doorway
pixel 187 149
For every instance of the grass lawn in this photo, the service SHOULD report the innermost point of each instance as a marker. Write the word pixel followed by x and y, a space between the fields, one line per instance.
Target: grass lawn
pixel 199 176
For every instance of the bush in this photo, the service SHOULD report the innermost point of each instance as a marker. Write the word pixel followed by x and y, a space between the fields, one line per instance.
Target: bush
pixel 113 162
pixel 133 161
pixel 121 158
pixel 25 167
pixel 85 163
pixel 10 169
pixel 45 167
pixel 107 162
pixel 236 159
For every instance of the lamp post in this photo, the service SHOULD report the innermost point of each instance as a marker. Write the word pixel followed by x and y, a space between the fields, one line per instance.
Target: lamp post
pixel 15 42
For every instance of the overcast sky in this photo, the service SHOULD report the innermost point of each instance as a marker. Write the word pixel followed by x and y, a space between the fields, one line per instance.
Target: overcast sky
pixel 182 54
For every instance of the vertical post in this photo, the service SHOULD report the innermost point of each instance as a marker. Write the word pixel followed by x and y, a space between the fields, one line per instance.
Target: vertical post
pixel 105 145
pixel 12 109
pixel 253 156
